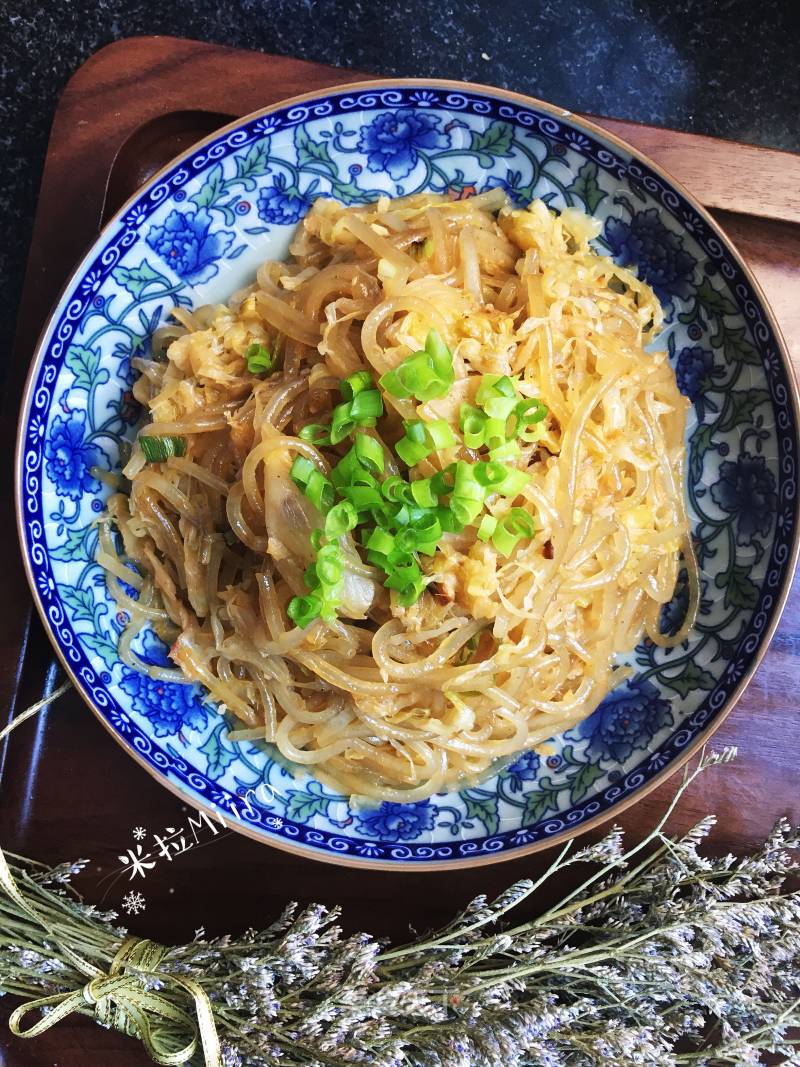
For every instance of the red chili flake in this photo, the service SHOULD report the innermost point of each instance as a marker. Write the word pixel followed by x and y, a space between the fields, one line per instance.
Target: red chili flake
pixel 438 592
pixel 547 549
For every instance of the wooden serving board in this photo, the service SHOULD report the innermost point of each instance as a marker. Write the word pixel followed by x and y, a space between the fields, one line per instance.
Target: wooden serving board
pixel 66 789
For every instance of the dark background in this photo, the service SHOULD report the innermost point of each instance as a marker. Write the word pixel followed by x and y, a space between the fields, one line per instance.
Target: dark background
pixel 725 67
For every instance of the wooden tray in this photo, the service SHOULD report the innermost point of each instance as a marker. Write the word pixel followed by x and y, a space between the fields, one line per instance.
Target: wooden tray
pixel 66 789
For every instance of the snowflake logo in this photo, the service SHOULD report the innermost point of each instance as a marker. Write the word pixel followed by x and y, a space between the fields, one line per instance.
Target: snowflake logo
pixel 139 833
pixel 133 903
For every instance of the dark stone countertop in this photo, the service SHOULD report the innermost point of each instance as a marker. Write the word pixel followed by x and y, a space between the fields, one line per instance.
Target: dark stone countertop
pixel 729 68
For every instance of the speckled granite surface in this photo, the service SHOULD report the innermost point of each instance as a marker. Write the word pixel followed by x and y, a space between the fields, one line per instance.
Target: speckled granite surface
pixel 725 67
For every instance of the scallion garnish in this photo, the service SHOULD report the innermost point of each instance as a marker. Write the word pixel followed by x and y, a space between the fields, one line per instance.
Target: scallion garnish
pixel 468 494
pixel 491 474
pixel 316 434
pixel 398 519
pixel 342 518
pixel 380 541
pixel 356 383
pixel 439 434
pixel 515 525
pixel 315 486
pixel 301 471
pixel 422 493
pixel 303 610
pixel 319 491
pixel 411 452
pixel 369 453
pixel 472 423
pixel 259 360
pixel 342 422
pixel 329 565
pixel 362 497
pixel 158 449
pixel 366 405
pixel 513 483
pixel 424 375
pixel 506 453
pixel 486 527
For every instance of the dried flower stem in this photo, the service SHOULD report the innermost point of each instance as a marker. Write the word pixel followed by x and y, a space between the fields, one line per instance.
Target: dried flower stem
pixel 674 958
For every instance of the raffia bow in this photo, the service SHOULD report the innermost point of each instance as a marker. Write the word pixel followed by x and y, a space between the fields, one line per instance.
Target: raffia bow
pixel 121 998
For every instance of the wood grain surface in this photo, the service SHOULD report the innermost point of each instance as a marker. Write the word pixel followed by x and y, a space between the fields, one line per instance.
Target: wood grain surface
pixel 66 789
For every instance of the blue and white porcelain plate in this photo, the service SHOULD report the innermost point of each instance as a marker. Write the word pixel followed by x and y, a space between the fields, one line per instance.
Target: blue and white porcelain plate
pixel 198 231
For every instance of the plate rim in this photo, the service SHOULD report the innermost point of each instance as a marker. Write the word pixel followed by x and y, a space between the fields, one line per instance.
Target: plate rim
pixel 311 852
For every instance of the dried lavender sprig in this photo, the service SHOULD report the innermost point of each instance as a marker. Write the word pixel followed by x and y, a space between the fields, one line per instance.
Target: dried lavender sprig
pixel 676 958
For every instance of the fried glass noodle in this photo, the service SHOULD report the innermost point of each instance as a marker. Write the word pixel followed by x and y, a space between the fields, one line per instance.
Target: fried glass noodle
pixel 500 652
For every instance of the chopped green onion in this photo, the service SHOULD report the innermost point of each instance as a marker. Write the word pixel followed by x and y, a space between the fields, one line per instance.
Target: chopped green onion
pixel 399 557
pixel 533 433
pixel 500 407
pixel 465 511
pixel 424 375
pixel 472 423
pixel 491 474
pixel 422 493
pixel 302 610
pixel 520 521
pixel 362 497
pixel 443 481
pixel 406 539
pixel 440 354
pixel 316 434
pixel 466 501
pixel 506 453
pixel 317 537
pixel 428 529
pixel 420 378
pixel 494 385
pixel 531 410
pixel 487 526
pixel 530 415
pixel 411 452
pixel 340 519
pixel 301 471
pixel 394 488
pixel 408 582
pixel 159 449
pixel 390 383
pixel 259 360
pixel 319 490
pixel 369 453
pixel 513 483
pixel 495 433
pixel 311 578
pixel 415 430
pixel 402 515
pixel 356 383
pixel 346 469
pixel 366 405
pixel 450 524
pixel 466 484
pixel 503 540
pixel 515 525
pixel 363 477
pixel 329 566
pixel 380 541
pixel 342 422
pixel 439 434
